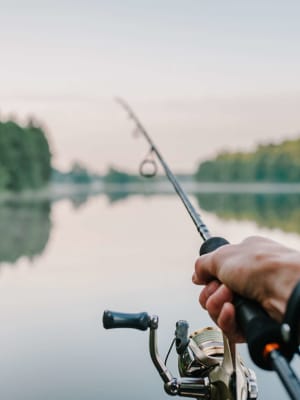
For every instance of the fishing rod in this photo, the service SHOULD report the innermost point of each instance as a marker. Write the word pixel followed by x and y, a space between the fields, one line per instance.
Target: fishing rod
pixel 271 345
pixel 200 225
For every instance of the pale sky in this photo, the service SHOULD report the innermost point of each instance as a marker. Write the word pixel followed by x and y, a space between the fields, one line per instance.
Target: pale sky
pixel 203 76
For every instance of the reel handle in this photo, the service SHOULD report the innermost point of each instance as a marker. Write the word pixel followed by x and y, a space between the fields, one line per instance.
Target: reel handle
pixel 113 319
pixel 257 326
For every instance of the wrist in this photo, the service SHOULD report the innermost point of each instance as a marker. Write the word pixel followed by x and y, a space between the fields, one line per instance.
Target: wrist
pixel 280 275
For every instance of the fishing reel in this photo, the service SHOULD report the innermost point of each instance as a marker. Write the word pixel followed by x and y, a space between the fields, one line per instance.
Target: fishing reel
pixel 208 364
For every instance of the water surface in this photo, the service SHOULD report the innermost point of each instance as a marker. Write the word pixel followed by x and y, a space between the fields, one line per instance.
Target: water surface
pixel 63 263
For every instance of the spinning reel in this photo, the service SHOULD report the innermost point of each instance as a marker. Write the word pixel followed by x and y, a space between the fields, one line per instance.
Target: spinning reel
pixel 208 365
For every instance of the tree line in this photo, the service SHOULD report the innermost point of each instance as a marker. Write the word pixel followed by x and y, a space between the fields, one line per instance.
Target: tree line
pixel 25 157
pixel 268 163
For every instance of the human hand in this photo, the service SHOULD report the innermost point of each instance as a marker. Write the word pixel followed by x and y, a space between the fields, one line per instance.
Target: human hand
pixel 257 268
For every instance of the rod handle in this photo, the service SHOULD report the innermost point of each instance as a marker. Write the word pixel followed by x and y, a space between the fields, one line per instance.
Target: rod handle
pixel 257 326
pixel 212 244
pixel 114 319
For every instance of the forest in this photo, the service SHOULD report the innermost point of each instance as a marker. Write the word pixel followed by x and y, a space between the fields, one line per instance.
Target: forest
pixel 268 163
pixel 25 157
pixel 25 163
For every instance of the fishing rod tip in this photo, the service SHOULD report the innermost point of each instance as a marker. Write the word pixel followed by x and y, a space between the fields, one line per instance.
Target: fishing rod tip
pixel 119 100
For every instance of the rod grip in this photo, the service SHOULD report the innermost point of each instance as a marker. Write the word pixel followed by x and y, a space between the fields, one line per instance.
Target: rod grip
pixel 114 319
pixel 257 326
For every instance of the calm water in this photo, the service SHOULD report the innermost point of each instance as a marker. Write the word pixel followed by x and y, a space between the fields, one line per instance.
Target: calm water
pixel 62 264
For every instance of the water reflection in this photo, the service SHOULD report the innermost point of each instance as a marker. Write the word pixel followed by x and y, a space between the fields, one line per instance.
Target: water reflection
pixel 24 229
pixel 267 210
pixel 99 258
pixel 114 197
pixel 78 200
pixel 26 225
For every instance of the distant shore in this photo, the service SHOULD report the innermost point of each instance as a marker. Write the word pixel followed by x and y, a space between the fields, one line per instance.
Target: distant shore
pixel 58 191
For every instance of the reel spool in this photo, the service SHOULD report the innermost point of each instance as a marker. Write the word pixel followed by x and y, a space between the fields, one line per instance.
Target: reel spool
pixel 205 351
pixel 206 354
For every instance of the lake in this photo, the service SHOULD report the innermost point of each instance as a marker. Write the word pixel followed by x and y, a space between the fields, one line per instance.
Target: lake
pixel 64 262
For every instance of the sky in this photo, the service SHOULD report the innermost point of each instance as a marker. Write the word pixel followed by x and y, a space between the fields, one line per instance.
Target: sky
pixel 202 76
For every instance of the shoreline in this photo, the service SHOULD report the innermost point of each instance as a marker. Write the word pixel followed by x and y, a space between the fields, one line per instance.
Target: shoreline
pixel 58 191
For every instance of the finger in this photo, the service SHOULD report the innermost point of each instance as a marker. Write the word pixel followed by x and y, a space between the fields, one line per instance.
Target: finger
pixel 226 321
pixel 207 291
pixel 202 274
pixel 211 265
pixel 216 301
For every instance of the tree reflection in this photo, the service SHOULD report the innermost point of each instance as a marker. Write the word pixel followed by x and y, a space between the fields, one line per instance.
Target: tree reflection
pixel 270 210
pixel 24 229
pixel 26 225
pixel 267 210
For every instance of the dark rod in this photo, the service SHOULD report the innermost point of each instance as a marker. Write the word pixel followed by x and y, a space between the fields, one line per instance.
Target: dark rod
pixel 286 374
pixel 200 225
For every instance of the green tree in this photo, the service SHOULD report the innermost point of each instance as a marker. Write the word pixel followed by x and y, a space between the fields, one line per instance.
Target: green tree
pixel 268 163
pixel 25 157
